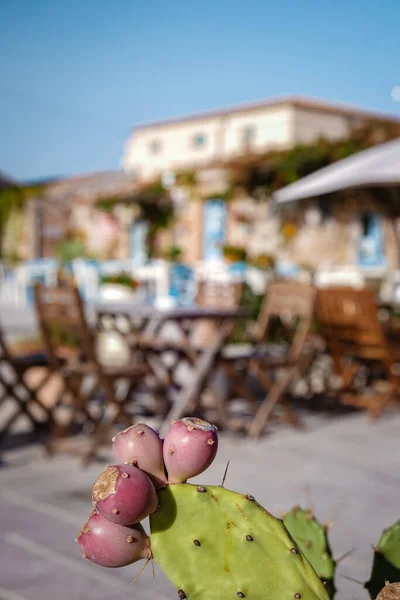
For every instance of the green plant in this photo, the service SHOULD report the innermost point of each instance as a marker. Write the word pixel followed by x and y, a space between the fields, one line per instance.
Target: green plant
pixel 173 253
pixel 269 171
pixel 386 564
pixel 232 547
pixel 13 198
pixel 263 261
pixel 185 177
pixel 234 253
pixel 225 195
pixel 120 279
pixel 155 207
pixel 312 537
pixel 70 249
pixel 211 542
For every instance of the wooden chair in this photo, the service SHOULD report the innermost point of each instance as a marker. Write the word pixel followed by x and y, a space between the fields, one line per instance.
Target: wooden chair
pixel 19 398
pixel 217 293
pixel 354 335
pixel 273 365
pixel 91 385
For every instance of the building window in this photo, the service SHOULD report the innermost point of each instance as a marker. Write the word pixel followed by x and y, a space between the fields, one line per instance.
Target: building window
pixel 155 146
pixel 199 140
pixel 248 134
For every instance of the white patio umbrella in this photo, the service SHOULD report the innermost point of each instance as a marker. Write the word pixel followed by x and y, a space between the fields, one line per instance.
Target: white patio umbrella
pixel 377 166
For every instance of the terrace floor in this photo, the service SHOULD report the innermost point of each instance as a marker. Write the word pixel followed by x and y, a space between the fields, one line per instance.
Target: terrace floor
pixel 345 466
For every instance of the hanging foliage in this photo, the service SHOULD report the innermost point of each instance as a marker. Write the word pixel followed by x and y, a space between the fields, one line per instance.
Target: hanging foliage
pixel 272 170
pixel 13 198
pixel 155 207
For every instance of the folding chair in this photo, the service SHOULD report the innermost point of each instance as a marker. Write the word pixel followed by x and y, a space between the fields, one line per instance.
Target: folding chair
pixel 18 398
pixel 70 344
pixel 273 365
pixel 354 336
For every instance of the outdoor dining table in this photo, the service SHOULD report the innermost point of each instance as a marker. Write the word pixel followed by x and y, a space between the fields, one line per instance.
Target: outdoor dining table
pixel 137 322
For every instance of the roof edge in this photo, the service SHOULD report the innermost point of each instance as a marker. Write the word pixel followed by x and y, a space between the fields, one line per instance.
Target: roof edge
pixel 305 102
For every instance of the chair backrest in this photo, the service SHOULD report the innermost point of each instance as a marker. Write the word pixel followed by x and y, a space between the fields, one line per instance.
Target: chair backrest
pixel 63 323
pixel 221 294
pixel 292 303
pixel 349 320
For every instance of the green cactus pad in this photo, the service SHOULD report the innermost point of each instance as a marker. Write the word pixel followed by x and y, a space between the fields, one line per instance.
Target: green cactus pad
pixel 312 539
pixel 215 544
pixel 386 565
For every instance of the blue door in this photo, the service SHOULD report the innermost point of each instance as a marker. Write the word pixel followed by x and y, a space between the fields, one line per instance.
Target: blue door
pixel 214 223
pixel 371 250
pixel 137 242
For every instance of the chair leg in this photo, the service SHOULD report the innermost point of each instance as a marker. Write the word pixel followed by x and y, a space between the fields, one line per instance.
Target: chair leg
pixel 220 404
pixel 100 437
pixel 291 416
pixel 274 396
pixel 237 384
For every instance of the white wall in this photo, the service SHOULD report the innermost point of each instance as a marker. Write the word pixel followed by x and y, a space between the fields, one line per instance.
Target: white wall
pixel 275 126
pixel 223 138
pixel 176 147
pixel 309 125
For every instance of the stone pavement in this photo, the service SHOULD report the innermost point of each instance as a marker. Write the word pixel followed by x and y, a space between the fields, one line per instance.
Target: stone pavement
pixel 350 466
pixel 17 320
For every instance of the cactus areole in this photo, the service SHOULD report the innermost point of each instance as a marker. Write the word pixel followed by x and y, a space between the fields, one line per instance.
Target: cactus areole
pixel 190 447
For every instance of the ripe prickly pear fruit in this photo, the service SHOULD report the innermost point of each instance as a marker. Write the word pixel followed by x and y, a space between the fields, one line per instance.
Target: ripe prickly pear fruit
pixel 111 545
pixel 190 447
pixel 124 494
pixel 142 447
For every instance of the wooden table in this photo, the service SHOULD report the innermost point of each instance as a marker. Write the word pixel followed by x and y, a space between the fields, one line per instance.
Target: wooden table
pixel 139 322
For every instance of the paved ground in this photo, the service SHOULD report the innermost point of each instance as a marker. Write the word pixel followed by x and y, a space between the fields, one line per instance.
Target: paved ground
pixel 17 320
pixel 350 466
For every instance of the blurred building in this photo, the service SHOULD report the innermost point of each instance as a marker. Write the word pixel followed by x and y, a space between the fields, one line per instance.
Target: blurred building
pixel 212 137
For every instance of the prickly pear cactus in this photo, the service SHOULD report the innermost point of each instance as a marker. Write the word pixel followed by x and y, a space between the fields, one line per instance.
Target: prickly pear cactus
pixel 216 544
pixel 312 538
pixel 212 543
pixel 386 565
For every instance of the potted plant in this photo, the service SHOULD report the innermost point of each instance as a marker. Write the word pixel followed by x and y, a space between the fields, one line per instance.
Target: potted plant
pixel 263 262
pixel 234 254
pixel 118 286
pixel 173 253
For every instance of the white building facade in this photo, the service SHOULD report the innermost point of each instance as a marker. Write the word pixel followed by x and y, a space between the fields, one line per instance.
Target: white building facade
pixel 209 138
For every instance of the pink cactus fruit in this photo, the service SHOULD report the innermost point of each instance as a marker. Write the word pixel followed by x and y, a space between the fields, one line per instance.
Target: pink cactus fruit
pixel 111 545
pixel 124 494
pixel 142 447
pixel 190 447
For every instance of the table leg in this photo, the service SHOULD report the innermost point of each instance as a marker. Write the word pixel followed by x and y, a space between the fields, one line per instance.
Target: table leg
pixel 203 368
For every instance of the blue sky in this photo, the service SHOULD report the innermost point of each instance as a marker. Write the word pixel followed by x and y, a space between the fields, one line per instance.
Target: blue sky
pixel 76 76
